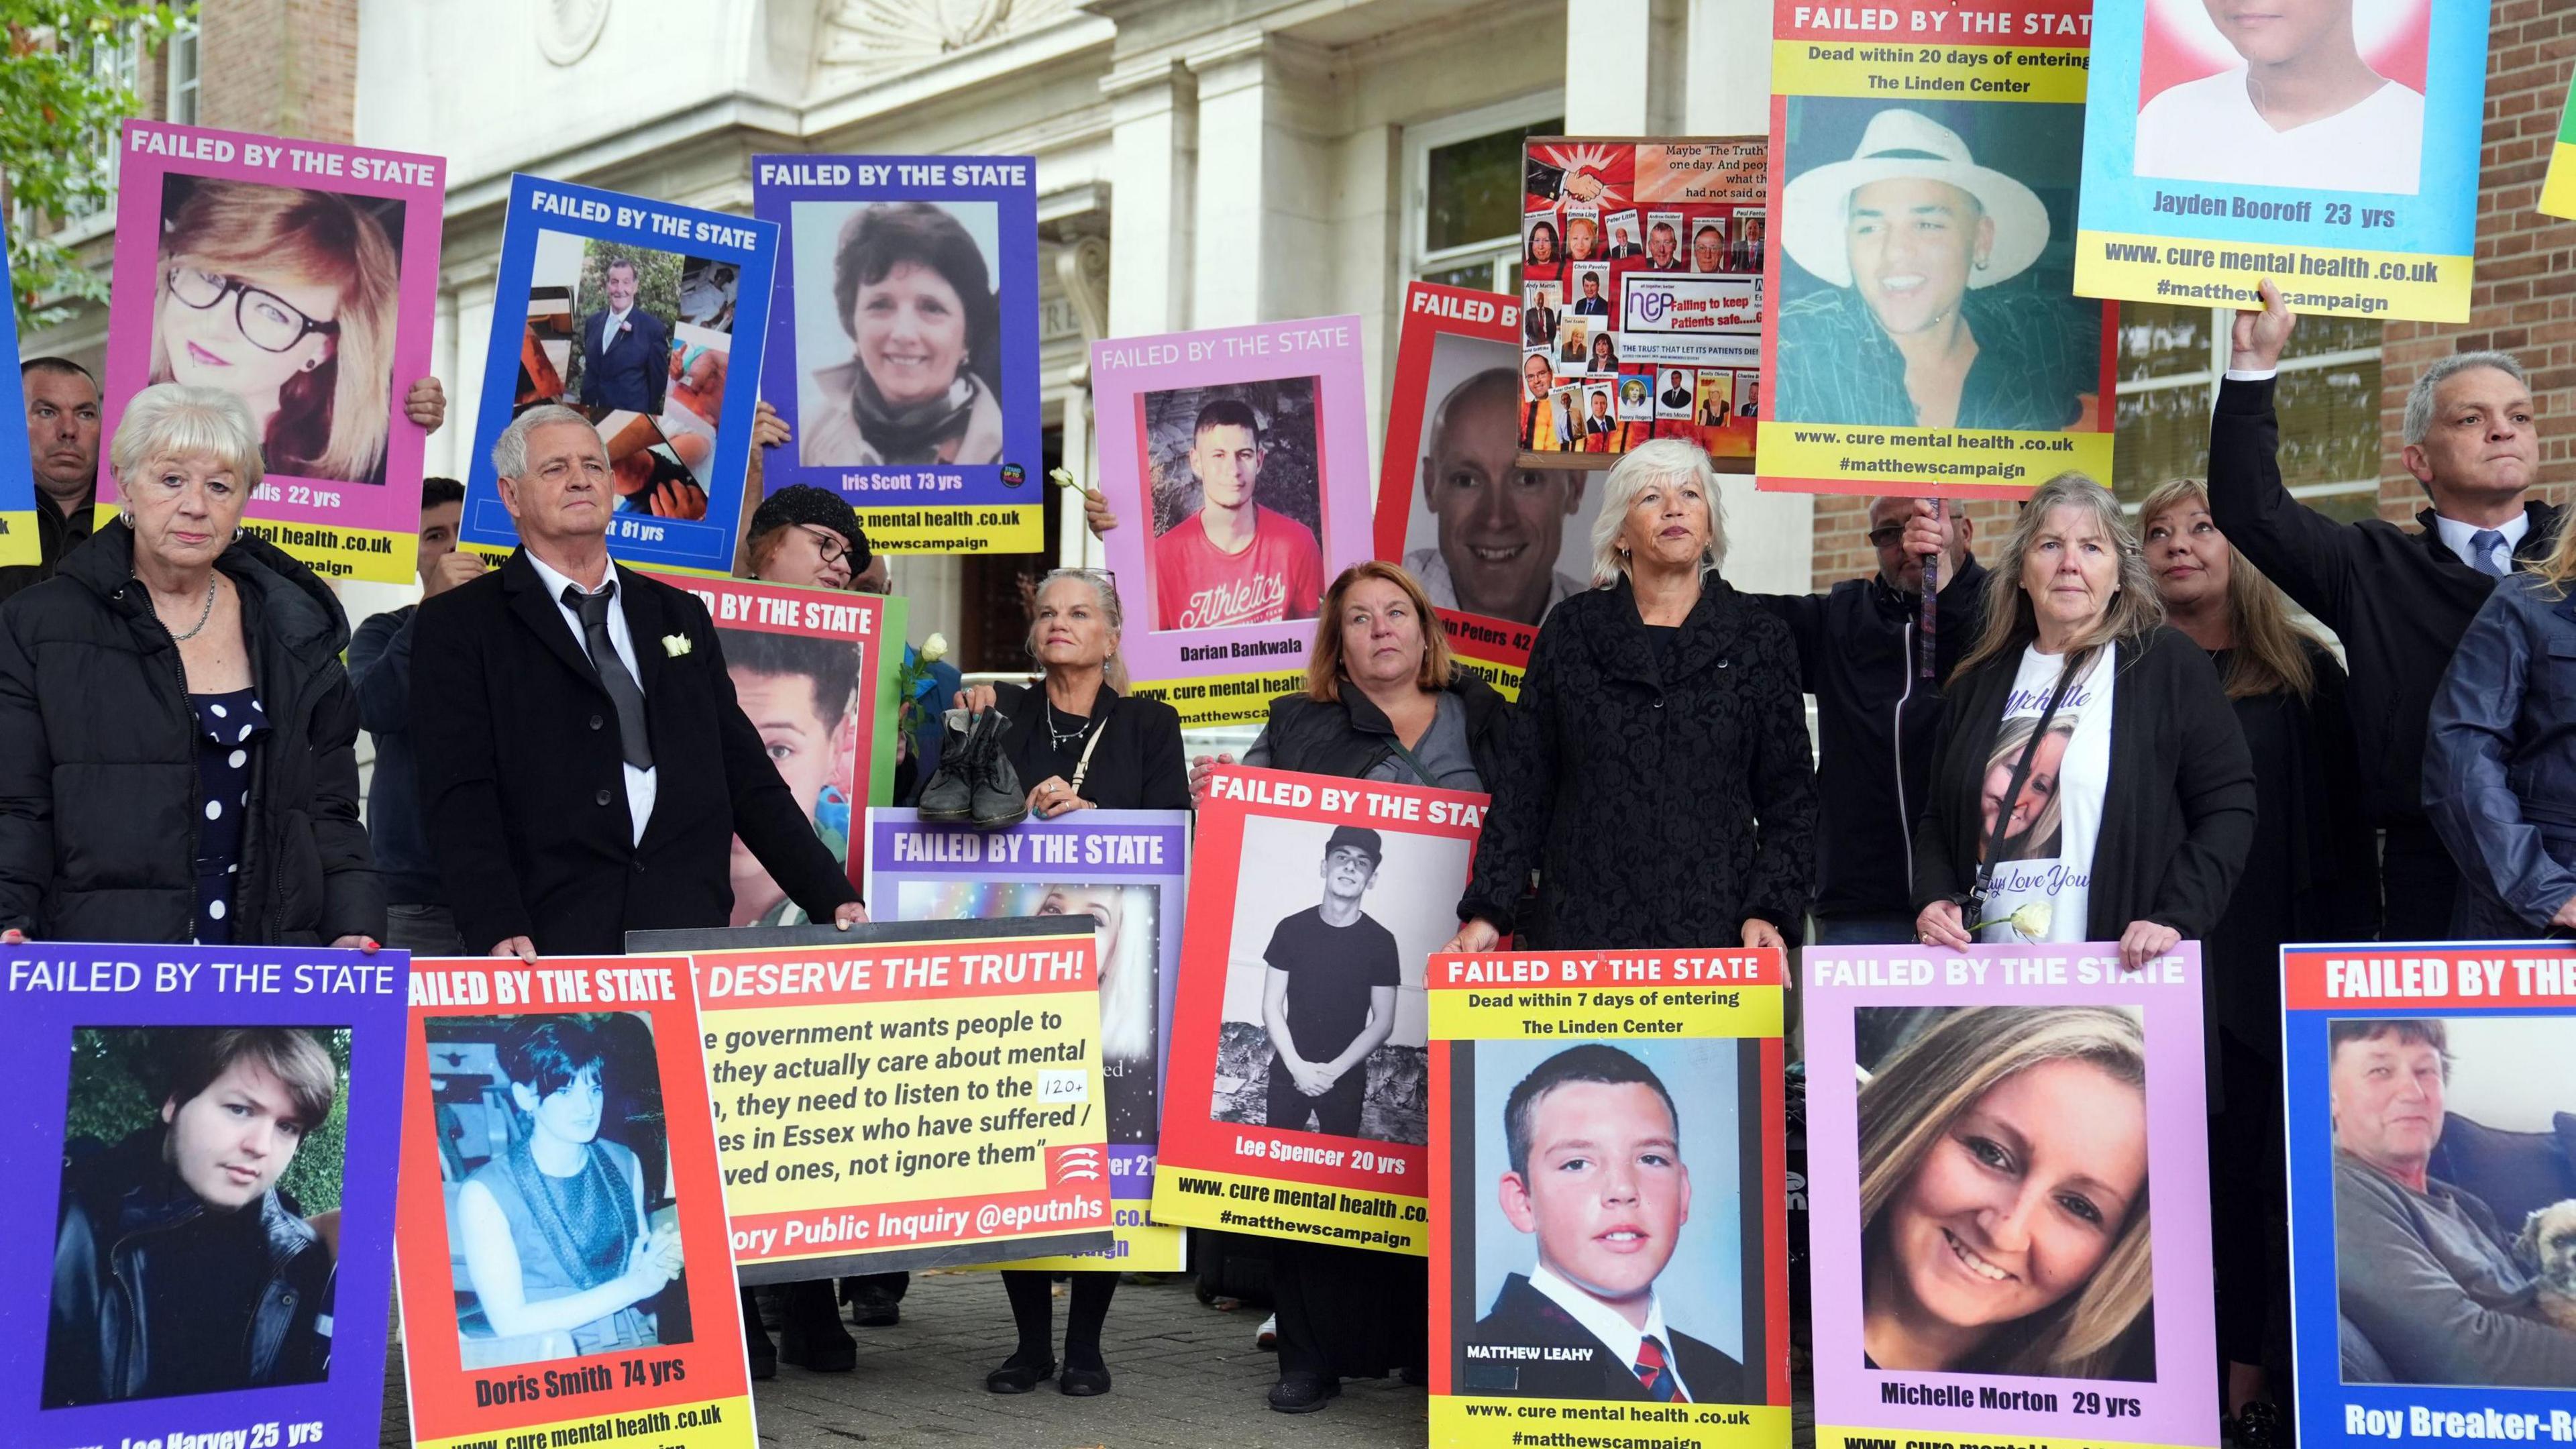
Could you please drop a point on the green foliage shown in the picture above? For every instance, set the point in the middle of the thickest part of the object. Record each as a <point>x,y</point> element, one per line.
<point>59,109</point>
<point>118,1081</point>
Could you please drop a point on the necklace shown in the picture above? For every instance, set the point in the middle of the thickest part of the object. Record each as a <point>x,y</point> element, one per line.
<point>203,614</point>
<point>1063,738</point>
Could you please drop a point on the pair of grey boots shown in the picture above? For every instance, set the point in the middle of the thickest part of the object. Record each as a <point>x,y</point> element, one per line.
<point>975,782</point>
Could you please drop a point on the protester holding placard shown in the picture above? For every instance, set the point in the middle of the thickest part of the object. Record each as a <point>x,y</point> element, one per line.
<point>166,828</point>
<point>2309,876</point>
<point>805,535</point>
<point>1660,711</point>
<point>62,452</point>
<point>2500,759</point>
<point>1875,715</point>
<point>2090,783</point>
<point>2398,601</point>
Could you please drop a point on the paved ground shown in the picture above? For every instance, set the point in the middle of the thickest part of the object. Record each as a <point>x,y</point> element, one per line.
<point>1184,1376</point>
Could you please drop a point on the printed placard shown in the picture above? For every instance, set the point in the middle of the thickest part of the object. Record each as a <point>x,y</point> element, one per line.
<point>2362,200</point>
<point>1982,1130</point>
<point>1495,544</point>
<point>267,1186</point>
<point>904,1095</point>
<point>1125,870</point>
<point>1646,1079</point>
<point>1642,279</point>
<point>19,541</point>
<point>1237,462</point>
<point>1301,1010</point>
<point>1924,166</point>
<point>911,386</point>
<point>2558,188</point>
<point>636,314</point>
<point>562,1225</point>
<point>2429,1222</point>
<point>814,673</point>
<point>301,276</point>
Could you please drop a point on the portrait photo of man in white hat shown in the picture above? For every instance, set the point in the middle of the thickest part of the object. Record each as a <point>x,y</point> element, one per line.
<point>1919,304</point>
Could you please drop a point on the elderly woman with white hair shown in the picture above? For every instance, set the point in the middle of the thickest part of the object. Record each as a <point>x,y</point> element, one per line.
<point>2090,782</point>
<point>1658,776</point>
<point>177,735</point>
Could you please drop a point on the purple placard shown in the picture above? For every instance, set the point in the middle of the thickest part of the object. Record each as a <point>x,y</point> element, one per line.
<point>2028,1158</point>
<point>1218,628</point>
<point>276,230</point>
<point>926,872</point>
<point>103,1001</point>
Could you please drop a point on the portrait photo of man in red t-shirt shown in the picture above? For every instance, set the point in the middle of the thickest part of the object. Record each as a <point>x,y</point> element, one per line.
<point>1233,561</point>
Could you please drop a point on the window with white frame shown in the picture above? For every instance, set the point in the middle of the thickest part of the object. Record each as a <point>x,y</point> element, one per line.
<point>182,107</point>
<point>2171,360</point>
<point>116,59</point>
<point>1463,190</point>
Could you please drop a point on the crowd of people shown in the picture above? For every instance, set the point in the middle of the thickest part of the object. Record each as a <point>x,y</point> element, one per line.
<point>2123,737</point>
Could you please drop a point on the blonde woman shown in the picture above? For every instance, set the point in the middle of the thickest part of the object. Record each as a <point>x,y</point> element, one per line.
<point>287,299</point>
<point>2153,790</point>
<point>2500,760</point>
<point>2003,1185</point>
<point>2309,876</point>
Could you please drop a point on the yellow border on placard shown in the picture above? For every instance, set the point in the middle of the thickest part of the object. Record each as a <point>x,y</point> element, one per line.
<point>1895,460</point>
<point>1173,1207</point>
<point>19,541</point>
<point>1218,699</point>
<point>1832,1437</point>
<point>730,1429</point>
<point>2033,74</point>
<point>1501,1421</point>
<point>2558,191</point>
<point>993,528</point>
<point>1456,1014</point>
<point>2197,271</point>
<point>385,558</point>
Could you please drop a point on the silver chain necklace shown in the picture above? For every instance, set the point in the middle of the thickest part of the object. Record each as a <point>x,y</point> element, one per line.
<point>203,615</point>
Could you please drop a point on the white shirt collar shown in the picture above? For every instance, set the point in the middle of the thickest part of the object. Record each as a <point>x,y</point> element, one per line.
<point>556,582</point>
<point>1602,1323</point>
<point>2456,536</point>
<point>617,319</point>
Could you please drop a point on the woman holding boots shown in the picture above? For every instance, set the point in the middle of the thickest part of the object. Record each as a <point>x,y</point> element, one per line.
<point>1087,747</point>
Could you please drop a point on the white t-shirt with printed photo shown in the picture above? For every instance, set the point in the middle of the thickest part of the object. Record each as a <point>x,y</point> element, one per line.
<point>2208,130</point>
<point>2043,876</point>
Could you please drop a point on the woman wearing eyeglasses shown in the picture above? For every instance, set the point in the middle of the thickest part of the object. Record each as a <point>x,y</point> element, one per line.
<point>286,299</point>
<point>805,535</point>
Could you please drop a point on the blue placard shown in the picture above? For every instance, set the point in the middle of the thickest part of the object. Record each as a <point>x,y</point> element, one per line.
<point>19,542</point>
<point>2191,194</point>
<point>2432,1322</point>
<point>672,386</point>
<point>907,356</point>
<point>107,1037</point>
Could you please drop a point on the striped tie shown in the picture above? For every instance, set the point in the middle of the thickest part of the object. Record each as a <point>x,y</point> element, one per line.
<point>1655,1372</point>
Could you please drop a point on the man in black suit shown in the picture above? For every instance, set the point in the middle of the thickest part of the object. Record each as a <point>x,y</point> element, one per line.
<point>1597,1176</point>
<point>625,351</point>
<point>1538,324</point>
<point>1591,303</point>
<point>583,766</point>
<point>2398,600</point>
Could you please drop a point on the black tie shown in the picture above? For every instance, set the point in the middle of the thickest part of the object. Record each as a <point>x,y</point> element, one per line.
<point>621,686</point>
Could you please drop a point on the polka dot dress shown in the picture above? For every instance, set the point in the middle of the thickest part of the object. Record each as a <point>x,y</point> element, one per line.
<point>228,730</point>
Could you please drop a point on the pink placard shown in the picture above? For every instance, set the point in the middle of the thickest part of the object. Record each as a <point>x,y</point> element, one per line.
<point>303,277</point>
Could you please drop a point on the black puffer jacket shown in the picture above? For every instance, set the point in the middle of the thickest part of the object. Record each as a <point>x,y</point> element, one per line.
<point>99,802</point>
<point>1351,736</point>
<point>1660,809</point>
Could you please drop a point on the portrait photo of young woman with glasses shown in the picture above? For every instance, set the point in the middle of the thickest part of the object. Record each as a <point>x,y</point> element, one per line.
<point>285,298</point>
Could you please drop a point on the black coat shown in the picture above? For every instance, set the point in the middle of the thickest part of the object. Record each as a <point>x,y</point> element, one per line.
<point>2500,762</point>
<point>1585,1369</point>
<point>1659,812</point>
<point>99,802</point>
<point>2399,601</point>
<point>522,777</point>
<point>1138,765</point>
<point>2177,812</point>
<point>1875,721</point>
<point>1351,736</point>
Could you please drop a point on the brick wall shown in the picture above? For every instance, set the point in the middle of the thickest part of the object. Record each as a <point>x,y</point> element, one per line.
<point>281,67</point>
<point>2524,298</point>
<point>1842,543</point>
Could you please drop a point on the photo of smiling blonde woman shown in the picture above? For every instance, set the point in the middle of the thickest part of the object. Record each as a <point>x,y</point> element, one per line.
<point>2003,1184</point>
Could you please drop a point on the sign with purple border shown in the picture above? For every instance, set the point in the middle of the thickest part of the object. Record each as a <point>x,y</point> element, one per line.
<point>1237,461</point>
<point>913,392</point>
<point>1982,1128</point>
<point>1125,868</point>
<point>301,276</point>
<point>107,1037</point>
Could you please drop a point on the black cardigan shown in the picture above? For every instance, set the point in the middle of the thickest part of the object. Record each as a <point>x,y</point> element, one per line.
<point>2177,813</point>
<point>1663,800</point>
<point>1138,765</point>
